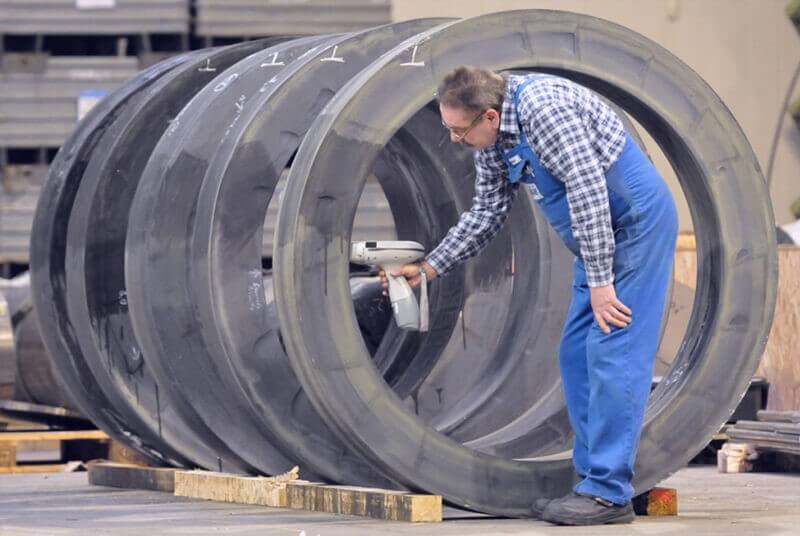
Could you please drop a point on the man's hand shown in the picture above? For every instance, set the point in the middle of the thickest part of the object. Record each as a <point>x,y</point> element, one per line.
<point>411,273</point>
<point>608,309</point>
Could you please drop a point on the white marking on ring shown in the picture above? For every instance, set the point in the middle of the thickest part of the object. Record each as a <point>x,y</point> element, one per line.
<point>413,62</point>
<point>273,62</point>
<point>225,83</point>
<point>333,56</point>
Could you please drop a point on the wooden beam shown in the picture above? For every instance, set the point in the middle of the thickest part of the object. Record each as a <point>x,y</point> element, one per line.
<point>265,491</point>
<point>657,502</point>
<point>121,453</point>
<point>39,468</point>
<point>118,475</point>
<point>8,454</point>
<point>383,504</point>
<point>53,435</point>
<point>282,491</point>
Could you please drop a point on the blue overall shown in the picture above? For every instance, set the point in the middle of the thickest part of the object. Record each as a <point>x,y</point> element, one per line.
<point>607,378</point>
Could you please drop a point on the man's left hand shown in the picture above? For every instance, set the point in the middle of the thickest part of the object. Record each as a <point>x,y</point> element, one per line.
<point>608,310</point>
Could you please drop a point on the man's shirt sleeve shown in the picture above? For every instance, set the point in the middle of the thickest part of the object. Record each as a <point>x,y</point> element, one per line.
<point>564,147</point>
<point>494,196</point>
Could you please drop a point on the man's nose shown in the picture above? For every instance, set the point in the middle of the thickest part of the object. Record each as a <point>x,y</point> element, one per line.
<point>454,138</point>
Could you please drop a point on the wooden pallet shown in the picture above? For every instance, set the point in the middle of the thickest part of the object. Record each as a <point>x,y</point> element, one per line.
<point>12,442</point>
<point>132,476</point>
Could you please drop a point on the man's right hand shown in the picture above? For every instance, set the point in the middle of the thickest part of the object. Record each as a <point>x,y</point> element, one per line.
<point>608,310</point>
<point>411,273</point>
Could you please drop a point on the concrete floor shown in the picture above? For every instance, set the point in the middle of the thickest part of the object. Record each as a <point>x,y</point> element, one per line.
<point>58,503</point>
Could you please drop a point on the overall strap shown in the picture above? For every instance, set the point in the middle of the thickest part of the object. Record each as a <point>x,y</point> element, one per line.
<point>517,93</point>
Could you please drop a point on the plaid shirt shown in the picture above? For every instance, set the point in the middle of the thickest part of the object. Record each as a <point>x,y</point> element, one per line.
<point>577,137</point>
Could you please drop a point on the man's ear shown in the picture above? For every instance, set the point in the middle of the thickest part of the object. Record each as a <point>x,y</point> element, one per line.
<point>493,116</point>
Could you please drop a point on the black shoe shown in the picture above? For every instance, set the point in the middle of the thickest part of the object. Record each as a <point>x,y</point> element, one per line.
<point>583,510</point>
<point>538,506</point>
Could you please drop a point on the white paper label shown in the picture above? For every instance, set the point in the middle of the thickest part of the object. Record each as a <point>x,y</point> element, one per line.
<point>87,100</point>
<point>95,4</point>
<point>534,190</point>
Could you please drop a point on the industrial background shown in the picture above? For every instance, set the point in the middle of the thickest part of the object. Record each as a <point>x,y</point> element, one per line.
<point>59,58</point>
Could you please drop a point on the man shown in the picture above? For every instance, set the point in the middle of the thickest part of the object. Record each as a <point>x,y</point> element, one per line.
<point>615,213</point>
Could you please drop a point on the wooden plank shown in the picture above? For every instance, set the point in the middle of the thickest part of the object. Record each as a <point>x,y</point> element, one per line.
<point>415,508</point>
<point>383,504</point>
<point>38,468</point>
<point>53,435</point>
<point>225,487</point>
<point>8,454</point>
<point>37,446</point>
<point>8,423</point>
<point>657,502</point>
<point>301,495</point>
<point>662,502</point>
<point>118,475</point>
<point>120,453</point>
<point>287,491</point>
<point>17,448</point>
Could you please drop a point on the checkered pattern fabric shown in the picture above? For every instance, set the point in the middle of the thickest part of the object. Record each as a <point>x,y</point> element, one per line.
<point>577,137</point>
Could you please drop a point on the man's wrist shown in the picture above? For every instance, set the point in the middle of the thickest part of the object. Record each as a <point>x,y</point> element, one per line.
<point>599,283</point>
<point>430,271</point>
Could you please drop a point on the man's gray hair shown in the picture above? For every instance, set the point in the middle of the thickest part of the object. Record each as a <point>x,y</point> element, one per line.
<point>472,89</point>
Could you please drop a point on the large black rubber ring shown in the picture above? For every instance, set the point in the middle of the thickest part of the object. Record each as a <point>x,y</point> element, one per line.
<point>48,245</point>
<point>97,297</point>
<point>722,183</point>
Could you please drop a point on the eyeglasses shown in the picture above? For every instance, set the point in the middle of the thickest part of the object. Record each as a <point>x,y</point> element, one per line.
<point>473,124</point>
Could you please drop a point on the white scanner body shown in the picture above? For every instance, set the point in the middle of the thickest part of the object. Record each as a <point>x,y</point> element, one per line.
<point>391,255</point>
